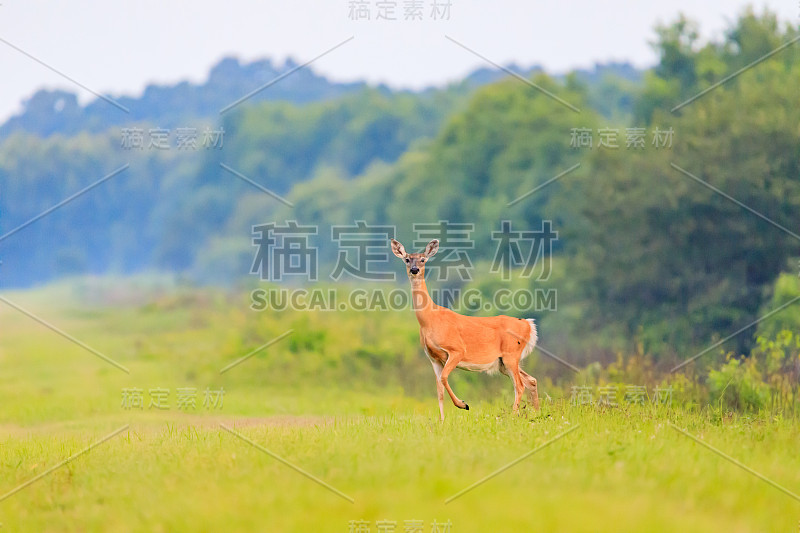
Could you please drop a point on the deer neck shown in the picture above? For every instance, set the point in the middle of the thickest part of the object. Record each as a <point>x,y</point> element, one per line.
<point>421,300</point>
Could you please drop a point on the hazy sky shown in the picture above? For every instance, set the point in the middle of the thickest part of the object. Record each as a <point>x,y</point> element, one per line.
<point>117,47</point>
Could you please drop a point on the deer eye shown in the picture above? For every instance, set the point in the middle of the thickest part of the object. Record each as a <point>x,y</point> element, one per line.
<point>408,260</point>
<point>421,260</point>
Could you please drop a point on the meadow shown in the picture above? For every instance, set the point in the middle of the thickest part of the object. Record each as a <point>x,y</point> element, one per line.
<point>335,428</point>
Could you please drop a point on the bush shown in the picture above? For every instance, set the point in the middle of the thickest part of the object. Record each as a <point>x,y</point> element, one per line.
<point>779,358</point>
<point>738,386</point>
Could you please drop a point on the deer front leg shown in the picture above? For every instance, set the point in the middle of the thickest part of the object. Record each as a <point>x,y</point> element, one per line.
<point>437,369</point>
<point>449,366</point>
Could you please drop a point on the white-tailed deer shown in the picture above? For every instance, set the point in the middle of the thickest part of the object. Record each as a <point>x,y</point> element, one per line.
<point>485,344</point>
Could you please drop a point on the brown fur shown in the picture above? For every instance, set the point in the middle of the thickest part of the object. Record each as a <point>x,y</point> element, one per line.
<point>451,340</point>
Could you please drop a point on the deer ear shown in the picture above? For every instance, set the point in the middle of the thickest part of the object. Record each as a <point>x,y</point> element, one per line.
<point>398,249</point>
<point>432,248</point>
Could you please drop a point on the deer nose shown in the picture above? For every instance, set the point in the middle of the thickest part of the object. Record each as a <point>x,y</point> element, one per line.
<point>414,270</point>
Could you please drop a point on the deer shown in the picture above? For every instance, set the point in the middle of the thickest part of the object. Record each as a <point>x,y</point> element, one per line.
<point>451,340</point>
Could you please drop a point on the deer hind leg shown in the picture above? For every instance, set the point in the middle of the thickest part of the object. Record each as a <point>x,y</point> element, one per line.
<point>437,369</point>
<point>449,366</point>
<point>533,390</point>
<point>514,372</point>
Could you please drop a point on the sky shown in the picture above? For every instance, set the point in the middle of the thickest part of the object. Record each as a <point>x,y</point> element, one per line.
<point>113,47</point>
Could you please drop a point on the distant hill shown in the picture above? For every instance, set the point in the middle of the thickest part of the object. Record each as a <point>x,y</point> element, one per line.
<point>49,112</point>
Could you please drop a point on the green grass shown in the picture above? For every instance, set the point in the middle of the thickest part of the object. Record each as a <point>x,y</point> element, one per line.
<point>370,435</point>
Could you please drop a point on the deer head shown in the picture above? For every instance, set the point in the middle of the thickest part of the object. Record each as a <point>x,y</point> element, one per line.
<point>415,263</point>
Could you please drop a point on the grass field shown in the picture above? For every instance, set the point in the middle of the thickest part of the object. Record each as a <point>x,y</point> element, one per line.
<point>369,450</point>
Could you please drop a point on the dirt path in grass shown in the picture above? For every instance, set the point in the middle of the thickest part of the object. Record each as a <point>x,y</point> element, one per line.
<point>98,425</point>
